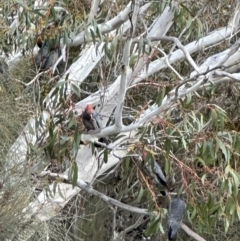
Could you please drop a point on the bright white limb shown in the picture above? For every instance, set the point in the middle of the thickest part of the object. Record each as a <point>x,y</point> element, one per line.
<point>169,65</point>
<point>180,46</point>
<point>125,65</point>
<point>107,27</point>
<point>235,76</point>
<point>94,9</point>
<point>228,59</point>
<point>123,86</point>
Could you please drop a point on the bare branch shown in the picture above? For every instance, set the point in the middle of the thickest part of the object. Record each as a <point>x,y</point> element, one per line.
<point>169,65</point>
<point>114,210</point>
<point>233,50</point>
<point>125,63</point>
<point>121,235</point>
<point>235,76</point>
<point>84,186</point>
<point>35,78</point>
<point>135,16</point>
<point>107,27</point>
<point>94,9</point>
<point>191,233</point>
<point>180,46</point>
<point>123,85</point>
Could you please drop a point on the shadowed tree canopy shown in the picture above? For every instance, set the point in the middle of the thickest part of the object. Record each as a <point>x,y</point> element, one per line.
<point>116,116</point>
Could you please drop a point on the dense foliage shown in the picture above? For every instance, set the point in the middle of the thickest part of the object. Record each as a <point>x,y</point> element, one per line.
<point>193,134</point>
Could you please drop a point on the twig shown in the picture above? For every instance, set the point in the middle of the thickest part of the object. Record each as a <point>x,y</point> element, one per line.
<point>193,20</point>
<point>37,76</point>
<point>84,186</point>
<point>234,76</point>
<point>191,233</point>
<point>168,64</point>
<point>188,169</point>
<point>34,79</point>
<point>99,166</point>
<point>180,46</point>
<point>128,229</point>
<point>154,84</point>
<point>114,210</point>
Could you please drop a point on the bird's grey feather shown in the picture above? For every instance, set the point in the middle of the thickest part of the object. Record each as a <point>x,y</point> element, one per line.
<point>157,173</point>
<point>47,57</point>
<point>175,215</point>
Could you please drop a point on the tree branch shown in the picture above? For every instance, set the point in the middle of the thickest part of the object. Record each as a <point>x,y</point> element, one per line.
<point>84,186</point>
<point>191,233</point>
<point>125,66</point>
<point>180,46</point>
<point>107,27</point>
<point>216,36</point>
<point>121,235</point>
<point>94,9</point>
<point>123,86</point>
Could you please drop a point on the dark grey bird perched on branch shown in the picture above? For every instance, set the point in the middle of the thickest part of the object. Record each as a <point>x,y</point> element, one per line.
<point>91,121</point>
<point>47,55</point>
<point>175,215</point>
<point>155,170</point>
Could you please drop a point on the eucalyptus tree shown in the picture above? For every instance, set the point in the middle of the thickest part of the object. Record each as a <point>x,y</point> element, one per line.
<point>163,77</point>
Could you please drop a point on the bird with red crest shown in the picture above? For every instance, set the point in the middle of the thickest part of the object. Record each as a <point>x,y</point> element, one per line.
<point>92,121</point>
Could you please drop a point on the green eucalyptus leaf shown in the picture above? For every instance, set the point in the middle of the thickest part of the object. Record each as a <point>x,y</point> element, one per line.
<point>153,227</point>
